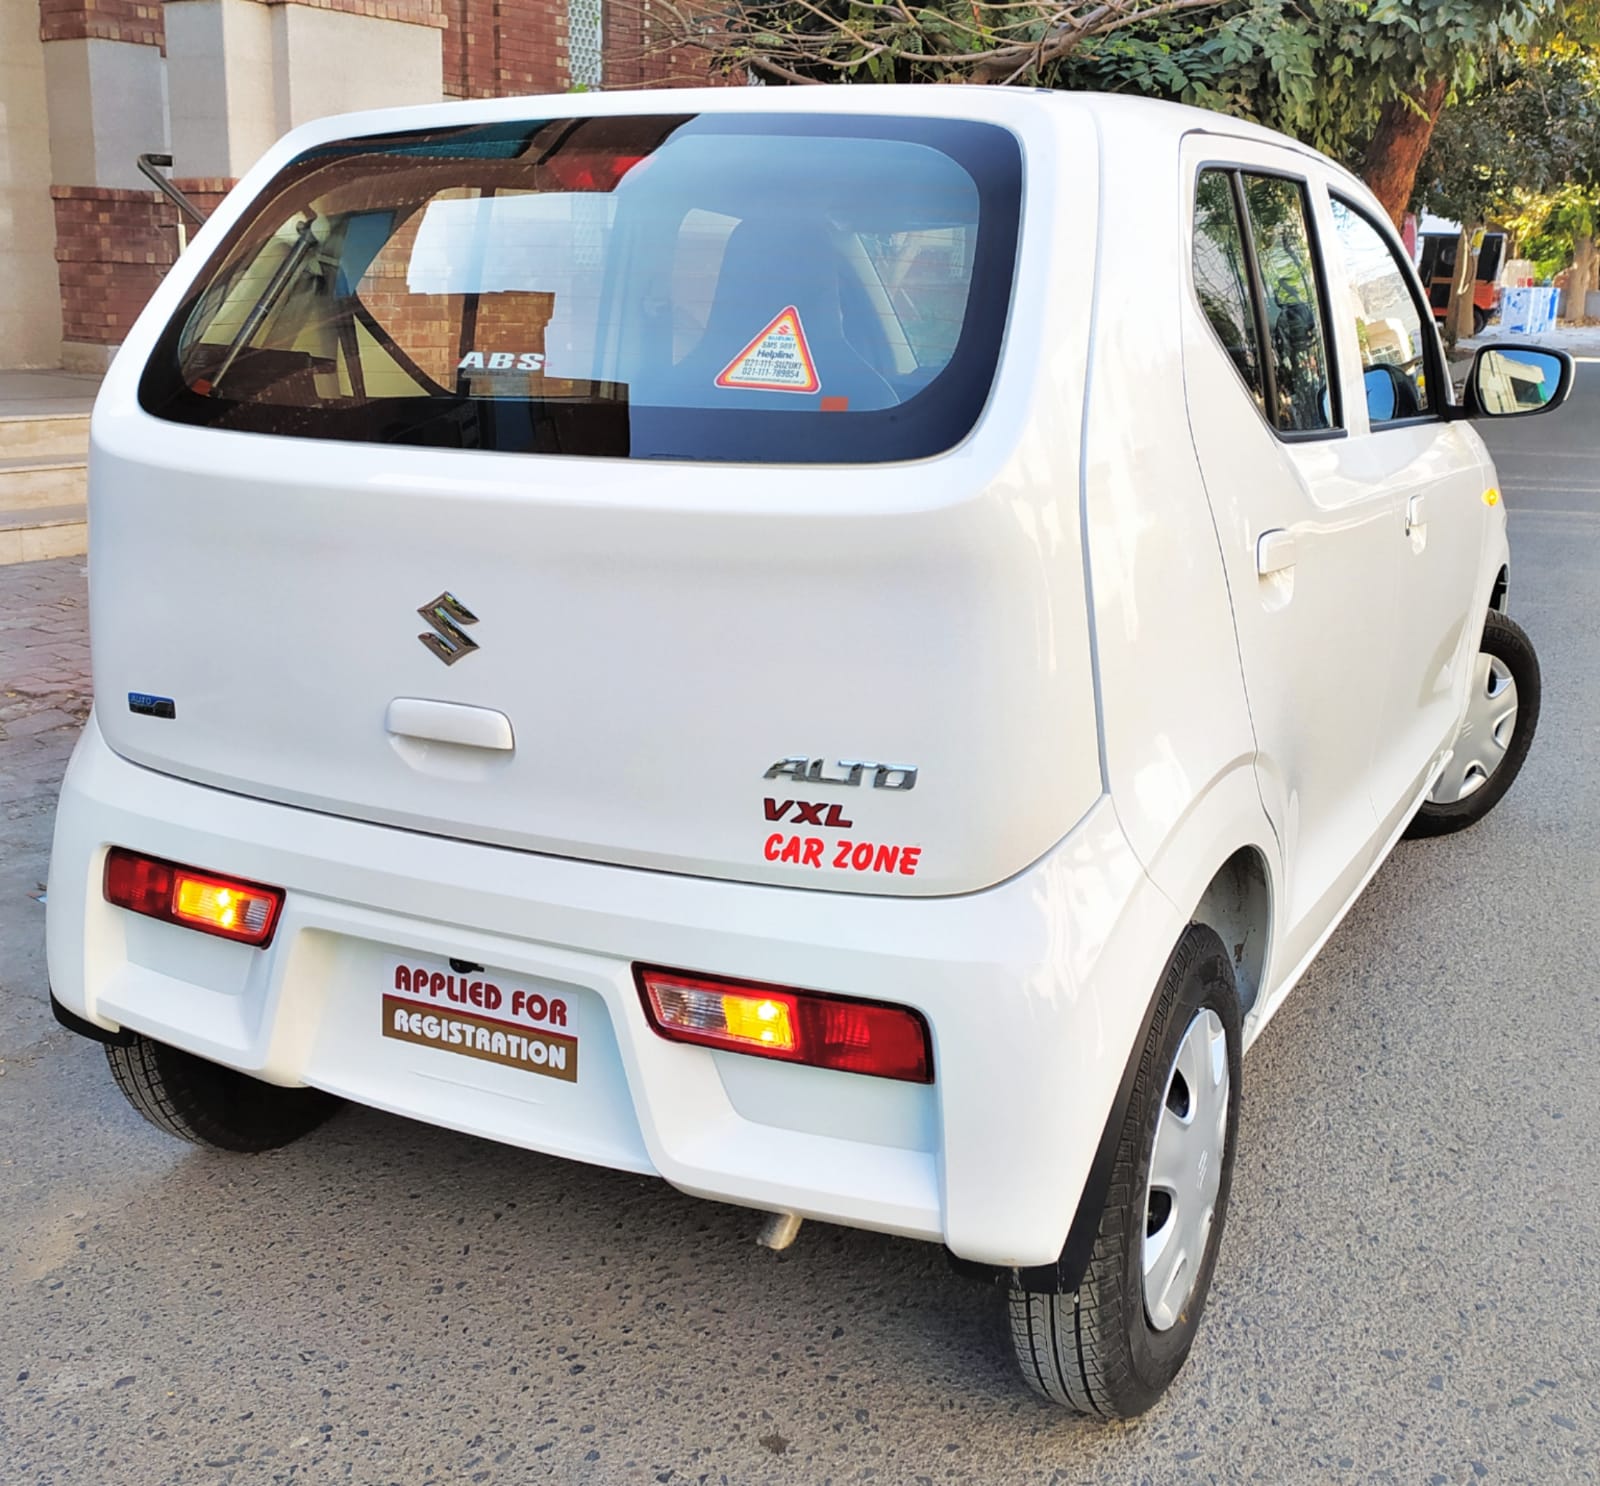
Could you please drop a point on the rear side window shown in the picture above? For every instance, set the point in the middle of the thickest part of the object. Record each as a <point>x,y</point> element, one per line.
<point>1388,319</point>
<point>1256,279</point>
<point>709,287</point>
<point>1222,277</point>
<point>1295,324</point>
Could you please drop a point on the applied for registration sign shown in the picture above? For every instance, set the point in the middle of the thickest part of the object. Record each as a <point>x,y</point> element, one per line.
<point>474,1016</point>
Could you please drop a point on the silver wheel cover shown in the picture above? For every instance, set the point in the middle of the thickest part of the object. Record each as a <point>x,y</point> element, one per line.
<point>1486,732</point>
<point>1185,1169</point>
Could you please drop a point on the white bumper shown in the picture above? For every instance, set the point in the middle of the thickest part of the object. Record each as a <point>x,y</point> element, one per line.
<point>1034,991</point>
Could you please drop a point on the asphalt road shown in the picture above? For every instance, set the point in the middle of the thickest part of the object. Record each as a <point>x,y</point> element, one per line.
<point>1408,1292</point>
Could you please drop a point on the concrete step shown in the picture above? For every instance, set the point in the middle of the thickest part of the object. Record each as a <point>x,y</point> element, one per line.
<point>44,531</point>
<point>39,480</point>
<point>44,436</point>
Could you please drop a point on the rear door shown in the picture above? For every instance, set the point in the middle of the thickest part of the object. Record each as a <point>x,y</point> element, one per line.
<point>1309,545</point>
<point>1402,446</point>
<point>602,486</point>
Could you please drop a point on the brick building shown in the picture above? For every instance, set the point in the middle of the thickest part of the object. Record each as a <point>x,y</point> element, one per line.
<point>86,86</point>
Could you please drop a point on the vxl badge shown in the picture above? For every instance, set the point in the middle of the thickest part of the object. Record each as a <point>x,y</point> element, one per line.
<point>446,614</point>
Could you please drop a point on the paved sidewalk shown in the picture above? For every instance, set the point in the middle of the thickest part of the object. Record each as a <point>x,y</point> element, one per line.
<point>1583,341</point>
<point>46,394</point>
<point>44,666</point>
<point>44,698</point>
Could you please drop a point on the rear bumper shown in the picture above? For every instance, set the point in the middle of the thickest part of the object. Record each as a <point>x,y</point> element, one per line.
<point>1033,990</point>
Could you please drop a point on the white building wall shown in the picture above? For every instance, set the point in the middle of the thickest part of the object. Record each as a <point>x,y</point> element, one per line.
<point>107,106</point>
<point>30,304</point>
<point>241,74</point>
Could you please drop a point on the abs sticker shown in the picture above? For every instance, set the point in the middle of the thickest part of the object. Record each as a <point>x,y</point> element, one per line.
<point>502,361</point>
<point>777,360</point>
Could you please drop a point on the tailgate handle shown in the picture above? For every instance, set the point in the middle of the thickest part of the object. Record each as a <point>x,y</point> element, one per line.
<point>1275,552</point>
<point>450,722</point>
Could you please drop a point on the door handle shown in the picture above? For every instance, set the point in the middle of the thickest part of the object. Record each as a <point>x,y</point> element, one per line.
<point>450,722</point>
<point>1275,552</point>
<point>1416,513</point>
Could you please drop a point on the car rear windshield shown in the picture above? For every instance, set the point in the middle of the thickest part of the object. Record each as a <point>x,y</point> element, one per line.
<point>760,288</point>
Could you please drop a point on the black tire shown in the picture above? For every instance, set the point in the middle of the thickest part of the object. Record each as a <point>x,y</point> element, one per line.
<point>1504,640</point>
<point>210,1105</point>
<point>1480,319</point>
<point>1097,1352</point>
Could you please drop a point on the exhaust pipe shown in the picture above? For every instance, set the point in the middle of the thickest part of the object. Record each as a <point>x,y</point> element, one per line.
<point>779,1231</point>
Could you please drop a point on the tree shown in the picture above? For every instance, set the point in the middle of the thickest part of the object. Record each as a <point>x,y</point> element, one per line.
<point>1534,133</point>
<point>1363,80</point>
<point>826,41</point>
<point>1527,150</point>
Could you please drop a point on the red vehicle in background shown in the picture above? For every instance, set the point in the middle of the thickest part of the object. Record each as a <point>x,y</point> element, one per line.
<point>1436,263</point>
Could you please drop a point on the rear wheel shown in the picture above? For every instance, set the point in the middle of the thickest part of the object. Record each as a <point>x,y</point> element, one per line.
<point>1112,1348</point>
<point>1496,733</point>
<point>1480,319</point>
<point>210,1105</point>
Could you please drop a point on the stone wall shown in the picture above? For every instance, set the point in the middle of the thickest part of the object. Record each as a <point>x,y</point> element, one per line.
<point>135,21</point>
<point>112,248</point>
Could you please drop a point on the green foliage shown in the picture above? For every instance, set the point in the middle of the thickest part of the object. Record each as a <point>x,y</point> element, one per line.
<point>1534,135</point>
<point>1547,227</point>
<point>1317,69</point>
<point>1320,70</point>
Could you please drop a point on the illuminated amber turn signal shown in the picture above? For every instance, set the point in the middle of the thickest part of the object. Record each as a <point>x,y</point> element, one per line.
<point>794,1026</point>
<point>225,906</point>
<point>204,902</point>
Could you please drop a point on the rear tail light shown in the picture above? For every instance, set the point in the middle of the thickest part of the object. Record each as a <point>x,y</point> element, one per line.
<point>226,906</point>
<point>794,1026</point>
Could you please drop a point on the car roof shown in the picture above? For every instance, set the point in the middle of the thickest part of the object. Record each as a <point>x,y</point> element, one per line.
<point>916,99</point>
<point>1111,114</point>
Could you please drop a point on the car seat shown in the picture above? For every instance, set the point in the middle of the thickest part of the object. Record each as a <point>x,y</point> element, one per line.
<point>767,266</point>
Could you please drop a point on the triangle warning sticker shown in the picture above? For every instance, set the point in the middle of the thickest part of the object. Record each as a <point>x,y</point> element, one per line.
<point>777,360</point>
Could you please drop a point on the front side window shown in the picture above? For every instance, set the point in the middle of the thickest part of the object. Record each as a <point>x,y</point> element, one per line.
<point>762,288</point>
<point>1222,277</point>
<point>1302,392</point>
<point>1388,321</point>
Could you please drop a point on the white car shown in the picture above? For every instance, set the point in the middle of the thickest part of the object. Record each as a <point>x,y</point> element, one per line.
<point>933,603</point>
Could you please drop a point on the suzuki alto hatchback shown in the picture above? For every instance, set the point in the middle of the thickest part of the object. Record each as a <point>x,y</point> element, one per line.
<point>801,641</point>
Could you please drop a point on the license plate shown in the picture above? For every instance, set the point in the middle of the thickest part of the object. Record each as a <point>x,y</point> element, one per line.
<point>483,1014</point>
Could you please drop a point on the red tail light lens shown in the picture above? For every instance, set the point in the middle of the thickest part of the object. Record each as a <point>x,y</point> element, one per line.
<point>793,1026</point>
<point>226,906</point>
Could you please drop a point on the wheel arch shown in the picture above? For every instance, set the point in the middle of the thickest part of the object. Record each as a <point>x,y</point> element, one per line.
<point>1222,866</point>
<point>1237,904</point>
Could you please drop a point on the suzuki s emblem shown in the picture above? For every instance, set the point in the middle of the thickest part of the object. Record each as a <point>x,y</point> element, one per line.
<point>445,615</point>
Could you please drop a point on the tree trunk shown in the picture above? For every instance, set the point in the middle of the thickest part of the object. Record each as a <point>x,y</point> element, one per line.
<point>1581,280</point>
<point>1462,293</point>
<point>1397,148</point>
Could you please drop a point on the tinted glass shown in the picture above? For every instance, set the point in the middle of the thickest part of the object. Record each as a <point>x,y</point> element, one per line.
<point>719,287</point>
<point>1295,320</point>
<point>1222,277</point>
<point>1388,324</point>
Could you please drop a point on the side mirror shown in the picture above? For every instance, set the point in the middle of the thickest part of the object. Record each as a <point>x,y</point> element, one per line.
<point>1512,381</point>
<point>1391,394</point>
